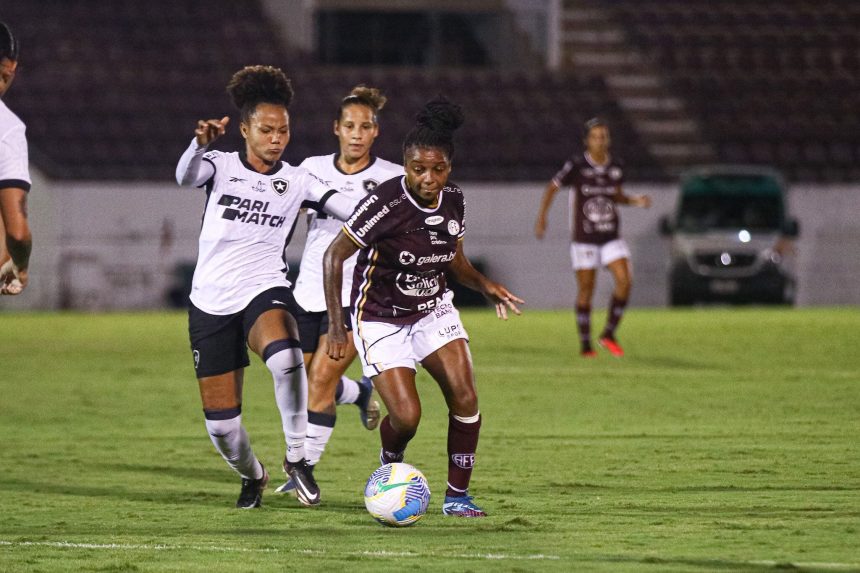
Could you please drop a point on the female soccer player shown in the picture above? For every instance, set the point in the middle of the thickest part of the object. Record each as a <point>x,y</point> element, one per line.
<point>355,173</point>
<point>595,180</point>
<point>410,235</point>
<point>240,293</point>
<point>15,237</point>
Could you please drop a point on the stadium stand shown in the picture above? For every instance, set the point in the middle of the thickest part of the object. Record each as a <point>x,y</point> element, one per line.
<point>772,82</point>
<point>115,93</point>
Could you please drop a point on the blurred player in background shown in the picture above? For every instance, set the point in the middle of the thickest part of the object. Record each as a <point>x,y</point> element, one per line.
<point>240,294</point>
<point>14,179</point>
<point>410,235</point>
<point>595,179</point>
<point>354,172</point>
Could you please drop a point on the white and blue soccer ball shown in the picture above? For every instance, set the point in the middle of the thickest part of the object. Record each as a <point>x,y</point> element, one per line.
<point>397,495</point>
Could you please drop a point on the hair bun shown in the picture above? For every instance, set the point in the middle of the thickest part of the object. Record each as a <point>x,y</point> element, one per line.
<point>441,115</point>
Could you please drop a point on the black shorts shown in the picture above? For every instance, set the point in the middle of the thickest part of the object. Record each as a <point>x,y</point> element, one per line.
<point>219,343</point>
<point>312,325</point>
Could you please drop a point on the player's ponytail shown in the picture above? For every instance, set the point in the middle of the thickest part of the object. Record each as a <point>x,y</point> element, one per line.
<point>435,125</point>
<point>253,85</point>
<point>366,96</point>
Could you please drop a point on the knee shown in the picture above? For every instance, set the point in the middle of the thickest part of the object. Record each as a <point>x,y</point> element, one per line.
<point>406,418</point>
<point>221,423</point>
<point>465,403</point>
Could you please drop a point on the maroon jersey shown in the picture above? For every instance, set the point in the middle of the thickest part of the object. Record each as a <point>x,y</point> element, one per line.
<point>594,218</point>
<point>400,274</point>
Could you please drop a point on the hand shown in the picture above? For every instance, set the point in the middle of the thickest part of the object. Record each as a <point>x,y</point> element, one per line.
<point>643,201</point>
<point>503,299</point>
<point>336,340</point>
<point>211,129</point>
<point>540,227</point>
<point>12,279</point>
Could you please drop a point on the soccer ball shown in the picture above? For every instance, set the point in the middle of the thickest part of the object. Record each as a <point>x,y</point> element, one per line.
<point>397,495</point>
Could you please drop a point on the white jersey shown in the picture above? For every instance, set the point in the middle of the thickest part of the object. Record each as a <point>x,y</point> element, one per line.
<point>14,166</point>
<point>322,229</point>
<point>248,221</point>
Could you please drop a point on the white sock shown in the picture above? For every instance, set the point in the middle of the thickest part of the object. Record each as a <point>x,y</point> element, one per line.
<point>320,428</point>
<point>348,391</point>
<point>232,442</point>
<point>284,360</point>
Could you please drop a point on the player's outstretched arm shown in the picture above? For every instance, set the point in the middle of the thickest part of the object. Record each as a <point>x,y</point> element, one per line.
<point>340,249</point>
<point>466,274</point>
<point>642,200</point>
<point>191,171</point>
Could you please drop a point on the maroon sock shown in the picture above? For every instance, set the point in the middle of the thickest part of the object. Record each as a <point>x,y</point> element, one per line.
<point>462,443</point>
<point>583,323</point>
<point>393,442</point>
<point>616,311</point>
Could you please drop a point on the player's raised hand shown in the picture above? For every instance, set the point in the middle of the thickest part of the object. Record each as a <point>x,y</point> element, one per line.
<point>209,130</point>
<point>643,201</point>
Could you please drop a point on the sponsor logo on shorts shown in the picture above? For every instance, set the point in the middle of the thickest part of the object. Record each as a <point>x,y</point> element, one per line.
<point>434,220</point>
<point>465,461</point>
<point>450,331</point>
<point>453,227</point>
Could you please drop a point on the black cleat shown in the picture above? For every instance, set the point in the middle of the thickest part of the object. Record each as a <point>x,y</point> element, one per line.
<point>252,491</point>
<point>302,475</point>
<point>368,408</point>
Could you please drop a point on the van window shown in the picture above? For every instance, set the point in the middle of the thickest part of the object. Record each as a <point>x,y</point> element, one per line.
<point>730,202</point>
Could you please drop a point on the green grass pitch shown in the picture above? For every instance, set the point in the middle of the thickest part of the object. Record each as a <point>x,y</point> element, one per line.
<point>726,440</point>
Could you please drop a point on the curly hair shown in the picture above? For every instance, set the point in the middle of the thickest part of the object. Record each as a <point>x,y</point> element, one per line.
<point>8,43</point>
<point>253,85</point>
<point>366,96</point>
<point>435,125</point>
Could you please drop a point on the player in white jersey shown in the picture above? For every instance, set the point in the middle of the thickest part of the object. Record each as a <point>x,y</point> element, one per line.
<point>14,179</point>
<point>354,172</point>
<point>240,295</point>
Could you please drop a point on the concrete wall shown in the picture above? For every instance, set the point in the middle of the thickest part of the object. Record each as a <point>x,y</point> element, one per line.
<point>115,245</point>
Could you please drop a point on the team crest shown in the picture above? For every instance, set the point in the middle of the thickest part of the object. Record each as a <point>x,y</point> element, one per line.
<point>370,185</point>
<point>453,227</point>
<point>615,173</point>
<point>280,186</point>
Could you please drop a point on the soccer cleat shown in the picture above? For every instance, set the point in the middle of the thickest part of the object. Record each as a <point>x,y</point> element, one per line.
<point>611,345</point>
<point>252,491</point>
<point>302,475</point>
<point>368,408</point>
<point>286,487</point>
<point>461,506</point>
<point>389,457</point>
<point>588,353</point>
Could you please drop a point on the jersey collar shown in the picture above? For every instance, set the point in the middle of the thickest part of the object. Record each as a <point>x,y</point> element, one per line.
<point>336,156</point>
<point>598,166</point>
<point>244,159</point>
<point>412,199</point>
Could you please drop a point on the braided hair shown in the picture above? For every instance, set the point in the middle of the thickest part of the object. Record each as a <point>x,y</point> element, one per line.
<point>435,125</point>
<point>253,85</point>
<point>366,96</point>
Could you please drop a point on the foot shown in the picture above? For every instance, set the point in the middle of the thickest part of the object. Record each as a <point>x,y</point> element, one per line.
<point>389,457</point>
<point>302,475</point>
<point>461,506</point>
<point>252,491</point>
<point>588,353</point>
<point>368,408</point>
<point>610,344</point>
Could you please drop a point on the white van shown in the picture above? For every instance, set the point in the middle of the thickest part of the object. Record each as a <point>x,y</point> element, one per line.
<point>732,237</point>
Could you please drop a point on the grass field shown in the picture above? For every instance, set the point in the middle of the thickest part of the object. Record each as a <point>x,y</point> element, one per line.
<point>727,440</point>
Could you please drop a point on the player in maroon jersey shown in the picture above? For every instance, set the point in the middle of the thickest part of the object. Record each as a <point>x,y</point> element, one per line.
<point>595,180</point>
<point>410,235</point>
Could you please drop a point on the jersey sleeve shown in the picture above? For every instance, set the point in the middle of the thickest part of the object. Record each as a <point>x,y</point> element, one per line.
<point>564,175</point>
<point>197,166</point>
<point>373,219</point>
<point>14,167</point>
